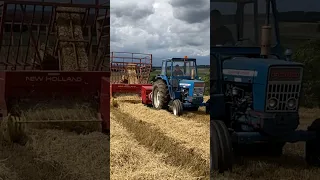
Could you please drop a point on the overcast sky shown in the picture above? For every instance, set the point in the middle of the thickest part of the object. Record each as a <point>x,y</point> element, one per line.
<point>164,28</point>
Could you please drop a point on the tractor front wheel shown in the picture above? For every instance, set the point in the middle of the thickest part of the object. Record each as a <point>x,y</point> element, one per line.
<point>160,95</point>
<point>177,107</point>
<point>312,147</point>
<point>221,158</point>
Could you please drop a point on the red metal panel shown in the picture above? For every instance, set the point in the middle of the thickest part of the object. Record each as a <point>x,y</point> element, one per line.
<point>127,88</point>
<point>45,83</point>
<point>145,91</point>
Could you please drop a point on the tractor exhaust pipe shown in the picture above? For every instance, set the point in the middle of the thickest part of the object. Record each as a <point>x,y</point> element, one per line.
<point>193,74</point>
<point>265,40</point>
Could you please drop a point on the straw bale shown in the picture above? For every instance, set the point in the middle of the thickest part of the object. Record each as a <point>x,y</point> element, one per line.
<point>130,76</point>
<point>64,29</point>
<point>130,160</point>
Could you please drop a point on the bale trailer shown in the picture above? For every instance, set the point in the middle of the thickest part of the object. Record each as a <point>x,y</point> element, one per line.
<point>54,59</point>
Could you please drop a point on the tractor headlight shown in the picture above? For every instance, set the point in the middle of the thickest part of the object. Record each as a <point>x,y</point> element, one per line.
<point>272,103</point>
<point>291,103</point>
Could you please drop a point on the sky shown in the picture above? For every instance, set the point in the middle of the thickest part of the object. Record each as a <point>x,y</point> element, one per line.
<point>163,28</point>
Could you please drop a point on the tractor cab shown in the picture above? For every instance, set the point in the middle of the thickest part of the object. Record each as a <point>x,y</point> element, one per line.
<point>238,23</point>
<point>239,28</point>
<point>180,68</point>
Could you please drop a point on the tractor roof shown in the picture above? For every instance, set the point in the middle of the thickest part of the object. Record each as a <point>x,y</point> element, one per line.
<point>179,59</point>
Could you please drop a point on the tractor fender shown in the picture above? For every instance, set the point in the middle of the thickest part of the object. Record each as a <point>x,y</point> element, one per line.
<point>163,78</point>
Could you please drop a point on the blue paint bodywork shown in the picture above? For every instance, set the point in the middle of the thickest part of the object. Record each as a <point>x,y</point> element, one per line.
<point>285,132</point>
<point>259,82</point>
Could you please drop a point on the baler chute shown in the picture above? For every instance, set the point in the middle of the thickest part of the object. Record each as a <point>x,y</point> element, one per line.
<point>54,64</point>
<point>129,72</point>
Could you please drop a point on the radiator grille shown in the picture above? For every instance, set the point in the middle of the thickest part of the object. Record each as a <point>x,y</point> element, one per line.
<point>282,92</point>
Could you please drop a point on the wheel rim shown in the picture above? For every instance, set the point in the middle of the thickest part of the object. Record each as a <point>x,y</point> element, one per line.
<point>156,99</point>
<point>175,111</point>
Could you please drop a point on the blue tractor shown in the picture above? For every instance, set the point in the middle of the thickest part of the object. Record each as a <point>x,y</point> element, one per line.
<point>178,88</point>
<point>255,87</point>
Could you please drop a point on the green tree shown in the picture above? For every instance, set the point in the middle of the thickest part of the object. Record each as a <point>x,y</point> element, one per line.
<point>206,80</point>
<point>309,54</point>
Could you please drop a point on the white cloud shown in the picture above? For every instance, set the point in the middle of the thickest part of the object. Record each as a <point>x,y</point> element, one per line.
<point>164,28</point>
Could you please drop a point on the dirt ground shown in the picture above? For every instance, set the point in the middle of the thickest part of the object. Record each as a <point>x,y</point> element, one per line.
<point>56,155</point>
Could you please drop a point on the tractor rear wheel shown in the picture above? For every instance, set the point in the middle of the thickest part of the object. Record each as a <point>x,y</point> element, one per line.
<point>221,152</point>
<point>177,107</point>
<point>312,147</point>
<point>160,95</point>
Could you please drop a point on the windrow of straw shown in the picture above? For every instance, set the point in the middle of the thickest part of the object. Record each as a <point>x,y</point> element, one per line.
<point>69,27</point>
<point>131,160</point>
<point>194,135</point>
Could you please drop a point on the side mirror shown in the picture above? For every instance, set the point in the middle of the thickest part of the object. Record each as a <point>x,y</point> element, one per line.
<point>288,53</point>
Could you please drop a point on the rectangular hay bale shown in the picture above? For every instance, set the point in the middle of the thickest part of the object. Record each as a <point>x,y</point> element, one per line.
<point>69,27</point>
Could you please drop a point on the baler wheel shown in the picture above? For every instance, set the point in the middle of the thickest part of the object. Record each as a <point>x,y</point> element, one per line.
<point>160,95</point>
<point>13,131</point>
<point>221,147</point>
<point>312,147</point>
<point>177,107</point>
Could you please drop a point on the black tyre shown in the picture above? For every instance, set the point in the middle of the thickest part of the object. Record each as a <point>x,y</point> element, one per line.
<point>160,95</point>
<point>208,107</point>
<point>177,107</point>
<point>221,147</point>
<point>312,147</point>
<point>13,131</point>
